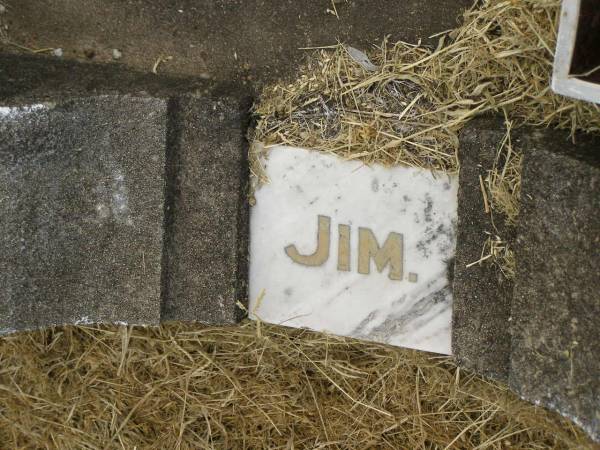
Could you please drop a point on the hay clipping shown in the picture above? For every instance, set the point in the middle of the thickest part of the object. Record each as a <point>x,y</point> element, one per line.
<point>407,105</point>
<point>250,387</point>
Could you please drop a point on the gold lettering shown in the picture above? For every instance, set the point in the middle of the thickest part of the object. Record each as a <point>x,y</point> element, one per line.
<point>391,252</point>
<point>344,248</point>
<point>321,254</point>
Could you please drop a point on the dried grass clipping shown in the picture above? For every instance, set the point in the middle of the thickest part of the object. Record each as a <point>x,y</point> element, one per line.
<point>188,387</point>
<point>502,187</point>
<point>409,104</point>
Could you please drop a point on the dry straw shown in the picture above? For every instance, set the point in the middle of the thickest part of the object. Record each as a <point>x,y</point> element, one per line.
<point>190,387</point>
<point>411,107</point>
<point>254,387</point>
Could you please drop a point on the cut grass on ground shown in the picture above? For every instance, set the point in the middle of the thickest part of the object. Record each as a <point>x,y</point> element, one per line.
<point>255,387</point>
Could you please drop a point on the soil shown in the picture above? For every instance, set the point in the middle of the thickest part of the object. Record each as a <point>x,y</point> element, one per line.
<point>243,41</point>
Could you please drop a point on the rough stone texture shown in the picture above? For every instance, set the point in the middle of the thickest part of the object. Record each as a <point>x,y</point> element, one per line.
<point>81,212</point>
<point>206,244</point>
<point>26,78</point>
<point>482,295</point>
<point>241,40</point>
<point>555,359</point>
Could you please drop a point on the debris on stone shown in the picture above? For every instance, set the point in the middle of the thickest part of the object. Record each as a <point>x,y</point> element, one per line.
<point>159,61</point>
<point>536,330</point>
<point>361,58</point>
<point>116,53</point>
<point>482,293</point>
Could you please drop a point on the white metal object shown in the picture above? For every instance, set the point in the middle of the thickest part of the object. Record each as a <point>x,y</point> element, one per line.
<point>563,82</point>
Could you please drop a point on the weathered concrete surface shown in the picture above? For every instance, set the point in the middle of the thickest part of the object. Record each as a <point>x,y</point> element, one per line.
<point>240,40</point>
<point>555,359</point>
<point>482,294</point>
<point>206,231</point>
<point>26,78</point>
<point>197,206</point>
<point>81,212</point>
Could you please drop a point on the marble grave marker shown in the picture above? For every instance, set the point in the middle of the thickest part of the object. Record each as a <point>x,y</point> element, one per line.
<point>354,250</point>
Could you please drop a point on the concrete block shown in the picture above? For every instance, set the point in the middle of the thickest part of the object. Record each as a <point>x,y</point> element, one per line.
<point>482,294</point>
<point>81,211</point>
<point>206,234</point>
<point>555,359</point>
<point>27,78</point>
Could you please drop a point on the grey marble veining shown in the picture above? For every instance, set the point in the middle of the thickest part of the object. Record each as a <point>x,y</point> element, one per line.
<point>353,250</point>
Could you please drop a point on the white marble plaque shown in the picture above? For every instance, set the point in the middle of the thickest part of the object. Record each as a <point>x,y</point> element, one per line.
<point>354,250</point>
